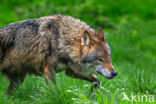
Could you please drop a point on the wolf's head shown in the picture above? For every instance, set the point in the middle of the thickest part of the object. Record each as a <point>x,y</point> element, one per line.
<point>87,49</point>
<point>96,55</point>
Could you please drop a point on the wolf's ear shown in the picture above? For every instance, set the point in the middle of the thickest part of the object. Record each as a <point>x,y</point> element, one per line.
<point>101,34</point>
<point>85,39</point>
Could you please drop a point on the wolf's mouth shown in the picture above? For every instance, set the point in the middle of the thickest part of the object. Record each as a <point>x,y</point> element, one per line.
<point>103,75</point>
<point>99,72</point>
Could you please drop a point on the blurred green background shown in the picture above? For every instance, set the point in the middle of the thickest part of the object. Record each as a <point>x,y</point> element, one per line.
<point>104,13</point>
<point>130,28</point>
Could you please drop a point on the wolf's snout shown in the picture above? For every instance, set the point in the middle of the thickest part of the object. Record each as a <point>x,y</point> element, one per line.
<point>114,73</point>
<point>107,70</point>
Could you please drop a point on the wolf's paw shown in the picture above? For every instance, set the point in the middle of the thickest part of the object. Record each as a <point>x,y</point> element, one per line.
<point>94,87</point>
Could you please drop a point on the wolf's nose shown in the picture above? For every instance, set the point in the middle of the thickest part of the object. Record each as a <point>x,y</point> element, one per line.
<point>114,73</point>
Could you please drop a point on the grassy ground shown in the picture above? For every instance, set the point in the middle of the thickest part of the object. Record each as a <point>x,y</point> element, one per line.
<point>134,57</point>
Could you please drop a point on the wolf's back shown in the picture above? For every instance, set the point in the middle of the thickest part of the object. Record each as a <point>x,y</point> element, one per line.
<point>9,32</point>
<point>6,36</point>
<point>13,35</point>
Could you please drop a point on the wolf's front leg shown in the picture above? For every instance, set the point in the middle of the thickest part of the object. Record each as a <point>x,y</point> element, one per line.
<point>93,78</point>
<point>97,82</point>
<point>49,74</point>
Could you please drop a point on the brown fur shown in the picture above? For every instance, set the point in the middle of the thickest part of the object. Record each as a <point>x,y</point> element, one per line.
<point>40,45</point>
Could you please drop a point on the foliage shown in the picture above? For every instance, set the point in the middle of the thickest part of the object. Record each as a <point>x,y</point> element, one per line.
<point>104,13</point>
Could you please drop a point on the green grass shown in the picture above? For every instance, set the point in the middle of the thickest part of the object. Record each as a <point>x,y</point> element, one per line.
<point>105,13</point>
<point>134,57</point>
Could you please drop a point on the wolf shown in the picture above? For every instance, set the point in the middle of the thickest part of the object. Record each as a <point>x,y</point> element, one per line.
<point>39,46</point>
